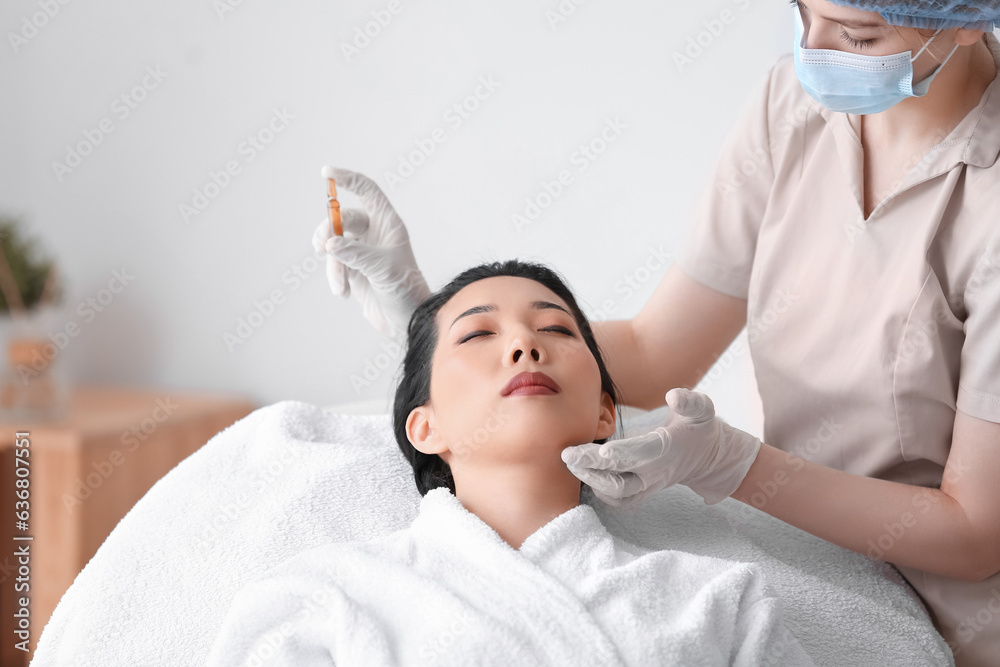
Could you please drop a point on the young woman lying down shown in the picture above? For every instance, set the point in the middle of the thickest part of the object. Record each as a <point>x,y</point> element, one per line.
<point>503,564</point>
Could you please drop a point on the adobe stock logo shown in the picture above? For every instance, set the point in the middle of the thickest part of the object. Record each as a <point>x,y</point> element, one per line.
<point>455,116</point>
<point>122,107</point>
<point>381,18</point>
<point>264,309</point>
<point>705,38</point>
<point>248,149</point>
<point>87,309</point>
<point>582,158</point>
<point>31,26</point>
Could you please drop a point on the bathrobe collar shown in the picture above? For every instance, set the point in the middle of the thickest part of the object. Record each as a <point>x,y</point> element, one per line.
<point>443,515</point>
<point>550,568</point>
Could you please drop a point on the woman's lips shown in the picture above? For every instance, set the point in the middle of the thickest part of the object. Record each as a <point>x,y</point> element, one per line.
<point>530,384</point>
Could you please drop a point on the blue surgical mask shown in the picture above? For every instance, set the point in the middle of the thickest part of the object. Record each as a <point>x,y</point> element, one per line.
<point>856,84</point>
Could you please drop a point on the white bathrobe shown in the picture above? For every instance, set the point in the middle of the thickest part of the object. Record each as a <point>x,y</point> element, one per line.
<point>449,591</point>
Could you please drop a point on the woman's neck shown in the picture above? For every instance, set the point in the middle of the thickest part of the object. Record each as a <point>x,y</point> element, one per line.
<point>517,499</point>
<point>953,93</point>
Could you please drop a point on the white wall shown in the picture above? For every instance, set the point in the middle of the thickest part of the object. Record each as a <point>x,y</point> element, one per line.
<point>224,72</point>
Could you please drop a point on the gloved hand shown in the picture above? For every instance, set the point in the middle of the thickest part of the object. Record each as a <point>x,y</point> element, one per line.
<point>373,260</point>
<point>696,448</point>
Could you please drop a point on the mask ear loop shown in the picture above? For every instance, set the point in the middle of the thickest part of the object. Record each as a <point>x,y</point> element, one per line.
<point>954,48</point>
<point>924,47</point>
<point>801,25</point>
<point>926,81</point>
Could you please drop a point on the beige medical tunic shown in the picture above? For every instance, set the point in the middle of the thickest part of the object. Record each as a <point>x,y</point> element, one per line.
<point>866,334</point>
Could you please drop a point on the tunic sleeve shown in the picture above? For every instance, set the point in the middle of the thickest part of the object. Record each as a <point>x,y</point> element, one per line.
<point>720,245</point>
<point>979,374</point>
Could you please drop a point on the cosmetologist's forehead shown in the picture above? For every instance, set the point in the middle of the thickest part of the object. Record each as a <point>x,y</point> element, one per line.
<point>845,16</point>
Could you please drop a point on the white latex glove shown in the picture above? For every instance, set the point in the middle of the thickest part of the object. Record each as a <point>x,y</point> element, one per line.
<point>696,448</point>
<point>373,259</point>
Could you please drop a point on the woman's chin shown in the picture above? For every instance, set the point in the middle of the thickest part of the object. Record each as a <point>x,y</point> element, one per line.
<point>524,434</point>
<point>534,436</point>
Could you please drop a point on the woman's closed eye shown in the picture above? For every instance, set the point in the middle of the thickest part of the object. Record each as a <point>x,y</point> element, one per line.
<point>474,334</point>
<point>856,43</point>
<point>555,328</point>
<point>844,37</point>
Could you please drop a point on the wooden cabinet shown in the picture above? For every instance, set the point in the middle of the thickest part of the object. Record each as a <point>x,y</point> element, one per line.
<point>86,473</point>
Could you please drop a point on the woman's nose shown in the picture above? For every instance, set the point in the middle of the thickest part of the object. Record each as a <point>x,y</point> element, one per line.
<point>523,347</point>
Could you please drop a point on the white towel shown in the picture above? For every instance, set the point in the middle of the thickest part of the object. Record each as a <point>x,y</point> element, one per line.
<point>449,590</point>
<point>290,477</point>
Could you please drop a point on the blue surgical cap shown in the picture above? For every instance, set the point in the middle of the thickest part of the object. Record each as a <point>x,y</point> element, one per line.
<point>936,14</point>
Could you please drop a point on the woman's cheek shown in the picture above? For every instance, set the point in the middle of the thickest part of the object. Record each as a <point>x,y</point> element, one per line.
<point>583,366</point>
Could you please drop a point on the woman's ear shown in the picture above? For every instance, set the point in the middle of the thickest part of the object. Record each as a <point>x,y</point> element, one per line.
<point>421,433</point>
<point>965,37</point>
<point>608,418</point>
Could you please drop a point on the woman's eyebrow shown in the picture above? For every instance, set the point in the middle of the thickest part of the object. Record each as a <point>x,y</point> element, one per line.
<point>491,307</point>
<point>858,24</point>
<point>545,305</point>
<point>475,310</point>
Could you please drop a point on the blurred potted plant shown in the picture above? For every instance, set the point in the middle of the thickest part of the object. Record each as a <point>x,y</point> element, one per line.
<point>29,291</point>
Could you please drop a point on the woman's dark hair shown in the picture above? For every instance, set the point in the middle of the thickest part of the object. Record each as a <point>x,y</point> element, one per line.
<point>413,390</point>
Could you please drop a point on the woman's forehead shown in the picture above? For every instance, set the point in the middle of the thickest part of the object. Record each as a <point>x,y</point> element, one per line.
<point>504,292</point>
<point>843,12</point>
